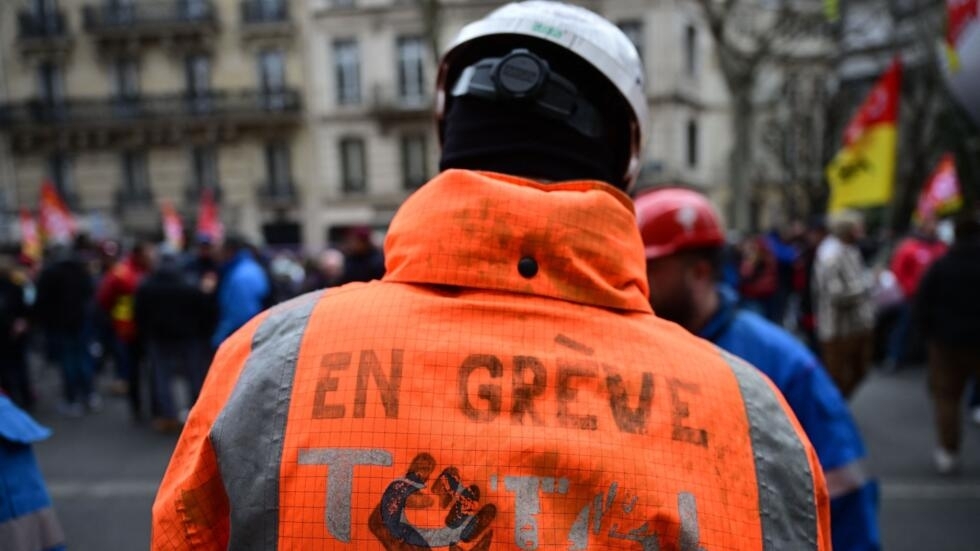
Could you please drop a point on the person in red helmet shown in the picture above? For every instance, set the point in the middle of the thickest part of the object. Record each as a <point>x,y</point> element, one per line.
<point>683,240</point>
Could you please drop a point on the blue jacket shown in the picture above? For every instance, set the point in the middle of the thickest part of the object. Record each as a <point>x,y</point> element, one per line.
<point>820,408</point>
<point>241,295</point>
<point>27,521</point>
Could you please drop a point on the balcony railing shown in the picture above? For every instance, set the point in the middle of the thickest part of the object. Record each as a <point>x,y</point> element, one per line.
<point>390,105</point>
<point>277,194</point>
<point>128,198</point>
<point>258,12</point>
<point>153,15</point>
<point>166,108</point>
<point>34,27</point>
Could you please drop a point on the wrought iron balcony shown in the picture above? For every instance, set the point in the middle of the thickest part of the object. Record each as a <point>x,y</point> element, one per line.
<point>151,19</point>
<point>45,33</point>
<point>390,105</point>
<point>161,119</point>
<point>130,198</point>
<point>274,194</point>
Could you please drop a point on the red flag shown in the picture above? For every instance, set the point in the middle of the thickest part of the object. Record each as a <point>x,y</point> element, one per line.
<point>30,239</point>
<point>941,194</point>
<point>57,222</point>
<point>173,227</point>
<point>208,220</point>
<point>881,105</point>
<point>959,14</point>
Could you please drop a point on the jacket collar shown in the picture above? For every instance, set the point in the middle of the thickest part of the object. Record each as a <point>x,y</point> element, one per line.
<point>723,317</point>
<point>471,229</point>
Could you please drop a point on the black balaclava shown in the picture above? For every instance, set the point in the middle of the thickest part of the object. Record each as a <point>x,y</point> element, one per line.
<point>510,138</point>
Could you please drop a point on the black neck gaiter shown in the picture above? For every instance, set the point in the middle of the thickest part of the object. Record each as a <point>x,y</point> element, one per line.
<point>510,139</point>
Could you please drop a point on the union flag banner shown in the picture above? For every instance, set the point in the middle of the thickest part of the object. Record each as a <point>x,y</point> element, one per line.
<point>57,223</point>
<point>941,194</point>
<point>862,173</point>
<point>962,59</point>
<point>208,219</point>
<point>173,227</point>
<point>30,238</point>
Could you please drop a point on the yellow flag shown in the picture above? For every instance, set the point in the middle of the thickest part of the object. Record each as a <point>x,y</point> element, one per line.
<point>862,174</point>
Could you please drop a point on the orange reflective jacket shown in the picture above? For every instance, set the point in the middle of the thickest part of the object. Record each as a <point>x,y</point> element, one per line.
<point>504,386</point>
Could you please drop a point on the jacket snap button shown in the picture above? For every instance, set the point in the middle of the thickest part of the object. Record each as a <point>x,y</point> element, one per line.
<point>527,267</point>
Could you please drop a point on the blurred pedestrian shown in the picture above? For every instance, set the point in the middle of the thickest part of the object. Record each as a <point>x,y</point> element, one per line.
<point>243,288</point>
<point>507,359</point>
<point>64,310</point>
<point>684,240</point>
<point>116,294</point>
<point>814,234</point>
<point>27,519</point>
<point>286,276</point>
<point>175,318</point>
<point>912,258</point>
<point>758,276</point>
<point>785,253</point>
<point>326,270</point>
<point>947,311</point>
<point>203,265</point>
<point>14,325</point>
<point>844,307</point>
<point>363,260</point>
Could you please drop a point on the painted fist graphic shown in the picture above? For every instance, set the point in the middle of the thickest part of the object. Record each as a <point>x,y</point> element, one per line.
<point>446,514</point>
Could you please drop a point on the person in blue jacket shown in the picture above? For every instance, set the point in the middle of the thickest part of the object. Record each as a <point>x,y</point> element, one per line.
<point>683,242</point>
<point>27,520</point>
<point>242,289</point>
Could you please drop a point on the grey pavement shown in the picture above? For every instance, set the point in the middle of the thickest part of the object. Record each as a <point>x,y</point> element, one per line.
<point>103,470</point>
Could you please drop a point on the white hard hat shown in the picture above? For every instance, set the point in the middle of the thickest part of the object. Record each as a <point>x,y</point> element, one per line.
<point>589,36</point>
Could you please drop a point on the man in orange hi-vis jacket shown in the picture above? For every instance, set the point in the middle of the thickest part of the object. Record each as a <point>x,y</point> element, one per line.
<point>506,384</point>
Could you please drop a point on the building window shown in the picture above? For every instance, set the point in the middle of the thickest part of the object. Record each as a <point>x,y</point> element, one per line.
<point>411,68</point>
<point>347,58</point>
<point>353,165</point>
<point>197,75</point>
<point>59,171</point>
<point>194,9</point>
<point>633,29</point>
<point>136,179</point>
<point>204,169</point>
<point>42,9</point>
<point>278,173</point>
<point>415,160</point>
<point>50,83</point>
<point>272,78</point>
<point>270,10</point>
<point>127,79</point>
<point>691,50</point>
<point>341,3</point>
<point>692,143</point>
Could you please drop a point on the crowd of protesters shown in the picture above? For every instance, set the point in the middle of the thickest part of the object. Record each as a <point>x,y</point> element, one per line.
<point>859,301</point>
<point>143,317</point>
<point>132,321</point>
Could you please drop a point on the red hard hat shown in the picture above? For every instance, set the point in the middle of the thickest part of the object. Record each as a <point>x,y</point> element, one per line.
<point>674,219</point>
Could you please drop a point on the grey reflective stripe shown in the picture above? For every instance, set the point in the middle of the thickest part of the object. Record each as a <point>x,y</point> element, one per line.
<point>32,532</point>
<point>845,479</point>
<point>787,506</point>
<point>248,434</point>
